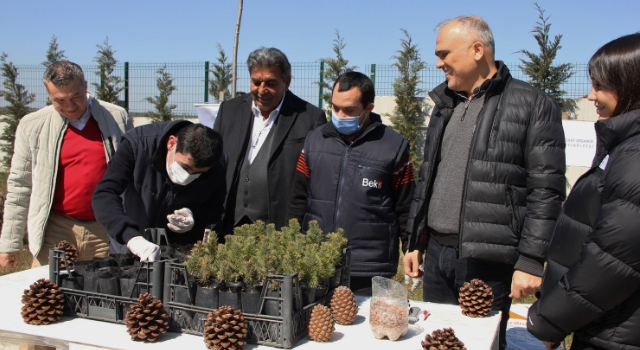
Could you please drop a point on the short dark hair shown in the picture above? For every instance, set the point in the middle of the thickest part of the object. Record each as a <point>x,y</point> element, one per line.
<point>62,73</point>
<point>202,143</point>
<point>616,66</point>
<point>270,57</point>
<point>349,80</point>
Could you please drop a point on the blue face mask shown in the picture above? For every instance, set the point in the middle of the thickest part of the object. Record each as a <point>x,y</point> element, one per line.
<point>346,125</point>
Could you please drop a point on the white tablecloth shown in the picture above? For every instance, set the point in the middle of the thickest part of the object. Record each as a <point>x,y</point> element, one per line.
<point>79,333</point>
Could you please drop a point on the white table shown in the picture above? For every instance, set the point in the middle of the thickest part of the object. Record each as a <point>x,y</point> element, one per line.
<point>80,333</point>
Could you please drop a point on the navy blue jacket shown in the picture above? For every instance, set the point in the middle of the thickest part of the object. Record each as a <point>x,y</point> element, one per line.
<point>138,170</point>
<point>363,187</point>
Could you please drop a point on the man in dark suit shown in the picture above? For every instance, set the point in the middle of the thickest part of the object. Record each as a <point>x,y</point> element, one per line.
<point>263,134</point>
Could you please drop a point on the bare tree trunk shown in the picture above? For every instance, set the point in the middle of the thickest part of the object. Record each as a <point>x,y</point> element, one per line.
<point>235,50</point>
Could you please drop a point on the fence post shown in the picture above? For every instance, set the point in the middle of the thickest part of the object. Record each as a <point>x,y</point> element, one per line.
<point>373,74</point>
<point>320,84</point>
<point>126,86</point>
<point>206,81</point>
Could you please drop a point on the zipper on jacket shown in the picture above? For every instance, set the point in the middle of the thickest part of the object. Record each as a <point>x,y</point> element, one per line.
<point>515,214</point>
<point>340,184</point>
<point>55,174</point>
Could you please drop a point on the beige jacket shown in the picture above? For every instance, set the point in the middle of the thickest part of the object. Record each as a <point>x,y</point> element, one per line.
<point>34,167</point>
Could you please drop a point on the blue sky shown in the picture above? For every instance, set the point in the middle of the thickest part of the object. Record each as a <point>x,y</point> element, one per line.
<point>187,31</point>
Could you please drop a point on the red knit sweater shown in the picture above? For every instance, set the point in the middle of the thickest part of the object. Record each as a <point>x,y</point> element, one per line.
<point>82,165</point>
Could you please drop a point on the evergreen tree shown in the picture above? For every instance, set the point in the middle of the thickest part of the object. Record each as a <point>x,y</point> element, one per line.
<point>407,117</point>
<point>539,67</point>
<point>18,98</point>
<point>333,68</point>
<point>221,76</point>
<point>160,102</point>
<point>109,87</point>
<point>53,54</point>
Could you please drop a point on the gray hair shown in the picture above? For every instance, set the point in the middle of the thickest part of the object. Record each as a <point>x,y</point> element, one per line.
<point>62,73</point>
<point>474,25</point>
<point>269,57</point>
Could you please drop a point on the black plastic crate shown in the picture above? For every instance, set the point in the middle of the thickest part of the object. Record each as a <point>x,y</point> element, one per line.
<point>281,331</point>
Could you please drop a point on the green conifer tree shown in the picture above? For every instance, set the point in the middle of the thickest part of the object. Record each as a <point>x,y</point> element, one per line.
<point>163,112</point>
<point>53,53</point>
<point>222,76</point>
<point>333,68</point>
<point>540,69</point>
<point>109,87</point>
<point>18,98</point>
<point>408,117</point>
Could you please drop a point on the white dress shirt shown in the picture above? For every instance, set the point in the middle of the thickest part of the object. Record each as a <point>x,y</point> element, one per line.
<point>261,129</point>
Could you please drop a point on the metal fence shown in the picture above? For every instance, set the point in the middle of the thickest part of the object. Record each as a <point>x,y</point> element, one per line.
<point>190,79</point>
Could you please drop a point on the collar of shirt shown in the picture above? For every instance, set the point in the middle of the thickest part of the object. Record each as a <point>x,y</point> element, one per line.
<point>82,122</point>
<point>261,128</point>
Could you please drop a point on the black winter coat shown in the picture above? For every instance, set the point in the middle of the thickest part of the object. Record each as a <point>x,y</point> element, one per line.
<point>138,170</point>
<point>592,282</point>
<point>515,181</point>
<point>363,187</point>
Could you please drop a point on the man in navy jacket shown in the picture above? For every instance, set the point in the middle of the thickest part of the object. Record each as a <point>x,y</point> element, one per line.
<point>172,176</point>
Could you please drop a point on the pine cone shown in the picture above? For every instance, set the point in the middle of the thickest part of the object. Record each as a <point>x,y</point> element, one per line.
<point>225,329</point>
<point>343,306</point>
<point>475,298</point>
<point>442,339</point>
<point>147,320</point>
<point>70,252</point>
<point>43,303</point>
<point>321,325</point>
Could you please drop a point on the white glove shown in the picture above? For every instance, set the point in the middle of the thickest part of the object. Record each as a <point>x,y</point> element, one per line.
<point>146,250</point>
<point>180,221</point>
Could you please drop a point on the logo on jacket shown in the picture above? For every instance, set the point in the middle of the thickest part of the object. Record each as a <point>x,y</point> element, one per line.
<point>371,183</point>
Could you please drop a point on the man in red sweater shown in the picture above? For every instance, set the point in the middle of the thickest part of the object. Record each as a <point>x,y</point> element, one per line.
<point>61,153</point>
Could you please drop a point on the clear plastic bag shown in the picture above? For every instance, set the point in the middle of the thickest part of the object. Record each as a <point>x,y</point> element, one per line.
<point>389,314</point>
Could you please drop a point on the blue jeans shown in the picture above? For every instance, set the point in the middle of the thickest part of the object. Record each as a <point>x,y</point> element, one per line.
<point>444,274</point>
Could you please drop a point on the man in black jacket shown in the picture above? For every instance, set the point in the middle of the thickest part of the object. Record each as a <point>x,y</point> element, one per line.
<point>356,173</point>
<point>172,176</point>
<point>263,134</point>
<point>492,182</point>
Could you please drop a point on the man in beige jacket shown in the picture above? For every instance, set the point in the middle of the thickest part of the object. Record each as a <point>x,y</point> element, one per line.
<point>61,152</point>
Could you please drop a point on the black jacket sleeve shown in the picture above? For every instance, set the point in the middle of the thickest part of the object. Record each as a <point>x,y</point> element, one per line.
<point>210,214</point>
<point>107,197</point>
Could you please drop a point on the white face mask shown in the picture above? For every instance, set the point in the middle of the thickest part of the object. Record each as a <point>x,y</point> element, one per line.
<point>177,174</point>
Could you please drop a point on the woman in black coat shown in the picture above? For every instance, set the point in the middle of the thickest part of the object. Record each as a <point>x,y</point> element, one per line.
<point>592,283</point>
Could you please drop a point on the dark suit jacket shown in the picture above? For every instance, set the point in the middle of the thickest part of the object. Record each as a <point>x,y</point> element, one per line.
<point>234,122</point>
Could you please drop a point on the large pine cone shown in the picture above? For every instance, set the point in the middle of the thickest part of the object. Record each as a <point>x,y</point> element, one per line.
<point>70,252</point>
<point>321,325</point>
<point>147,319</point>
<point>475,298</point>
<point>43,303</point>
<point>343,306</point>
<point>444,339</point>
<point>225,329</point>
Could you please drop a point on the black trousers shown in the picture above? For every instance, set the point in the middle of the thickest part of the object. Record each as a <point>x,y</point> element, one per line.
<point>444,274</point>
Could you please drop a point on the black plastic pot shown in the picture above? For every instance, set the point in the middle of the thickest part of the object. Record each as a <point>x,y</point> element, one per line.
<point>128,282</point>
<point>271,307</point>
<point>321,292</point>
<point>308,295</point>
<point>334,281</point>
<point>73,281</point>
<point>231,295</point>
<point>109,283</point>
<point>184,293</point>
<point>81,266</point>
<point>207,296</point>
<point>250,298</point>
